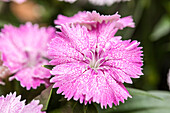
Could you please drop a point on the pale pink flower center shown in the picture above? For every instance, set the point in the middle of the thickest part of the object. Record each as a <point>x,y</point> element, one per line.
<point>96,60</point>
<point>32,60</point>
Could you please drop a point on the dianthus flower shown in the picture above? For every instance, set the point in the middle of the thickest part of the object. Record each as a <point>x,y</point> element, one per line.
<point>90,19</point>
<point>12,104</point>
<point>92,65</point>
<point>17,1</point>
<point>98,2</point>
<point>24,52</point>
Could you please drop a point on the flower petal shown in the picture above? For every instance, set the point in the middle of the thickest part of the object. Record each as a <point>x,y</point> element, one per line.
<point>12,104</point>
<point>33,107</point>
<point>61,47</point>
<point>100,88</point>
<point>27,78</point>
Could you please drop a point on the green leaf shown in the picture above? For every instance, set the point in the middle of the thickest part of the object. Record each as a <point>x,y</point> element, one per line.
<point>49,66</point>
<point>161,29</point>
<point>135,92</point>
<point>44,97</point>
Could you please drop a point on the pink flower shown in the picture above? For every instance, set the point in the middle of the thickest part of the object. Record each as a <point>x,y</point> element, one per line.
<point>90,19</point>
<point>17,1</point>
<point>24,52</point>
<point>12,104</point>
<point>92,65</point>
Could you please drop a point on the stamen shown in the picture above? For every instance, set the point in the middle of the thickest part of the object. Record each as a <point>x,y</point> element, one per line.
<point>86,68</point>
<point>106,58</point>
<point>103,67</point>
<point>98,63</point>
<point>103,61</point>
<point>104,49</point>
<point>93,58</point>
<point>86,58</point>
<point>96,58</point>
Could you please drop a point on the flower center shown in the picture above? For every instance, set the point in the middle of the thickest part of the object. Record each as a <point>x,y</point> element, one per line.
<point>96,60</point>
<point>32,59</point>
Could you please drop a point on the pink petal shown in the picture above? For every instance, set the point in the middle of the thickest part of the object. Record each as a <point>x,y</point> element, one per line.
<point>12,104</point>
<point>127,22</point>
<point>62,59</point>
<point>27,78</point>
<point>41,72</point>
<point>90,19</point>
<point>33,107</point>
<point>59,47</point>
<point>77,36</point>
<point>104,32</point>
<point>72,82</point>
<point>124,50</point>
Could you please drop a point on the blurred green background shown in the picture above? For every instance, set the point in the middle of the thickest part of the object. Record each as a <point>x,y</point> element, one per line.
<point>152,19</point>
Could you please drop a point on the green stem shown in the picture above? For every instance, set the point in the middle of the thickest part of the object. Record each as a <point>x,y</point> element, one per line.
<point>85,108</point>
